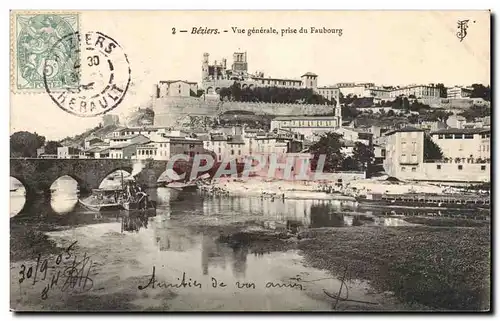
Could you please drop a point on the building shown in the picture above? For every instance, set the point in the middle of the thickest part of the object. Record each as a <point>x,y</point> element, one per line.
<point>432,125</point>
<point>110,119</point>
<point>40,151</point>
<point>378,93</point>
<point>355,135</point>
<point>404,160</point>
<point>310,80</point>
<point>67,152</point>
<point>127,139</point>
<point>456,121</point>
<point>464,143</point>
<point>123,151</point>
<point>330,93</point>
<point>379,110</point>
<point>175,88</point>
<point>91,141</point>
<point>239,143</point>
<point>165,148</point>
<point>218,75</point>
<point>99,151</point>
<point>419,91</point>
<point>354,90</point>
<point>458,92</point>
<point>311,127</point>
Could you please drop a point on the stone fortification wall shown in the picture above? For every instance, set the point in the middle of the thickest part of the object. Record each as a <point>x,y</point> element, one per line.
<point>170,111</point>
<point>452,103</point>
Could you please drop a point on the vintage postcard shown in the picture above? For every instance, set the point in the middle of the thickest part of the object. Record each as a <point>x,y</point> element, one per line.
<point>250,161</point>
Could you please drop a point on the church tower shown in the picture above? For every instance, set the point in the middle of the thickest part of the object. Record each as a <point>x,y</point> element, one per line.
<point>204,67</point>
<point>338,108</point>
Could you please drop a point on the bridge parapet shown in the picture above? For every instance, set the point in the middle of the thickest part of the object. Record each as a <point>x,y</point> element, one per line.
<point>38,174</point>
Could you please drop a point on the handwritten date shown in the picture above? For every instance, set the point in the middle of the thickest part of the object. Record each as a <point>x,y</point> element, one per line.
<point>68,272</point>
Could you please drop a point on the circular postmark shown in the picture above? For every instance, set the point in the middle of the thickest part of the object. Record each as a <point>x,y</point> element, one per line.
<point>97,73</point>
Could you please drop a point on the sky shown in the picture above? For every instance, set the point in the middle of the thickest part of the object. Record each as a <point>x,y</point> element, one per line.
<point>383,47</point>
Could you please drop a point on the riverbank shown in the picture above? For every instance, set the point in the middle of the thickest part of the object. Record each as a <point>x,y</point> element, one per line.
<point>439,265</point>
<point>264,187</point>
<point>445,268</point>
<point>268,187</point>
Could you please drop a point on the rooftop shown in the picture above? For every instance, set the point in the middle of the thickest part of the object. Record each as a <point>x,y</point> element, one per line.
<point>126,136</point>
<point>407,129</point>
<point>123,145</point>
<point>172,81</point>
<point>236,139</point>
<point>309,74</point>
<point>305,118</point>
<point>461,131</point>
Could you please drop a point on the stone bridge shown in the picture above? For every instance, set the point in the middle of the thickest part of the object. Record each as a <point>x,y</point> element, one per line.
<point>37,174</point>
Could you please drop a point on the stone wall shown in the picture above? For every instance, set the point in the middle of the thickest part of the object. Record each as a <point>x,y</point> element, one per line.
<point>170,111</point>
<point>455,103</point>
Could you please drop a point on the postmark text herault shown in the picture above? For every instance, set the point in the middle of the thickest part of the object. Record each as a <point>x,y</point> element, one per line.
<point>103,70</point>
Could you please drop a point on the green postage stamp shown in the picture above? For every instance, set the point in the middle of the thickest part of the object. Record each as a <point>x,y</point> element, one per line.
<point>42,59</point>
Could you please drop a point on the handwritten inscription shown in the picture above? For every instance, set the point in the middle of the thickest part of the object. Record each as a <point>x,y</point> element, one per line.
<point>187,282</point>
<point>67,272</point>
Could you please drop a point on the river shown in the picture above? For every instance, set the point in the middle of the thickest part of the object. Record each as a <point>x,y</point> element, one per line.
<point>120,252</point>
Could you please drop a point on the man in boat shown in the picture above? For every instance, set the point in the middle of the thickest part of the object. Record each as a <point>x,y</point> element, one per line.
<point>143,197</point>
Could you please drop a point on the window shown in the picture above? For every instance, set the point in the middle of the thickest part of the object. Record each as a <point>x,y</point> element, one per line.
<point>448,136</point>
<point>232,151</point>
<point>403,169</point>
<point>468,136</point>
<point>440,136</point>
<point>483,167</point>
<point>438,166</point>
<point>413,169</point>
<point>459,136</point>
<point>460,167</point>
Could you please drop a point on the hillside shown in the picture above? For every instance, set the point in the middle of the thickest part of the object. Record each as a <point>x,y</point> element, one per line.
<point>141,117</point>
<point>98,131</point>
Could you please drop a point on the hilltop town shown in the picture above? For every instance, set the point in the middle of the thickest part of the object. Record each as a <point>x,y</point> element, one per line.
<point>418,132</point>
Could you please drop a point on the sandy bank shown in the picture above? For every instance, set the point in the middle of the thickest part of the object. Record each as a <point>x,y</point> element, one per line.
<point>260,186</point>
<point>257,187</point>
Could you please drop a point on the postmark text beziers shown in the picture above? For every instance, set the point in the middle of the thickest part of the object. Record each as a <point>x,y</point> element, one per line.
<point>104,72</point>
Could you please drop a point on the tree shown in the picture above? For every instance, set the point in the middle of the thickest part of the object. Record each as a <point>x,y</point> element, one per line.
<point>442,90</point>
<point>329,145</point>
<point>413,119</point>
<point>363,155</point>
<point>480,91</point>
<point>51,147</point>
<point>431,150</point>
<point>25,144</point>
<point>349,113</point>
<point>476,112</point>
<point>348,164</point>
<point>397,103</point>
<point>406,104</point>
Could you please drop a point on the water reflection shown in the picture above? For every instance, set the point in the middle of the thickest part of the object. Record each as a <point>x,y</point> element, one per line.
<point>17,196</point>
<point>114,180</point>
<point>64,195</point>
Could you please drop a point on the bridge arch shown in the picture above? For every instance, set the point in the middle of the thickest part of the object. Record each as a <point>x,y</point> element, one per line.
<point>17,196</point>
<point>80,182</point>
<point>127,169</point>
